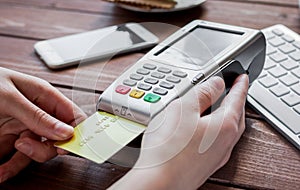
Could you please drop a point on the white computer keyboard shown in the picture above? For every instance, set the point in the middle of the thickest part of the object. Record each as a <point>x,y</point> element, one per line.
<point>276,93</point>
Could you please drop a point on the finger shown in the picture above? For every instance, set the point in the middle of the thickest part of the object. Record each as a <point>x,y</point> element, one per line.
<point>236,98</point>
<point>61,151</point>
<point>209,92</point>
<point>11,126</point>
<point>38,120</point>
<point>8,141</point>
<point>39,151</point>
<point>12,167</point>
<point>225,122</point>
<point>48,98</point>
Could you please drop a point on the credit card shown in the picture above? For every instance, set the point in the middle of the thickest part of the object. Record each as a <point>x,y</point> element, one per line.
<point>100,136</point>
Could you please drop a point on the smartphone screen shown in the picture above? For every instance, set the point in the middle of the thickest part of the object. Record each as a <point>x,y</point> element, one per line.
<point>94,43</point>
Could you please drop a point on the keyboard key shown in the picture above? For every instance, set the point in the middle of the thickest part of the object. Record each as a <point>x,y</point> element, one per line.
<point>164,70</point>
<point>269,63</point>
<point>278,57</point>
<point>268,81</point>
<point>149,66</point>
<point>151,80</point>
<point>263,74</point>
<point>277,32</point>
<point>166,85</point>
<point>296,88</point>
<point>129,82</point>
<point>270,50</point>
<point>291,99</point>
<point>158,75</point>
<point>295,55</point>
<point>289,64</point>
<point>152,98</point>
<point>276,42</point>
<point>143,71</point>
<point>136,93</point>
<point>143,86</point>
<point>136,77</point>
<point>269,35</point>
<point>289,80</point>
<point>160,91</point>
<point>277,71</point>
<point>297,109</point>
<point>122,89</point>
<point>180,74</point>
<point>288,38</point>
<point>287,48</point>
<point>173,79</point>
<point>279,90</point>
<point>297,44</point>
<point>296,72</point>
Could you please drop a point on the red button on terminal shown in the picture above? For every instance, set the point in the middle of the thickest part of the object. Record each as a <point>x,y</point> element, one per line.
<point>122,89</point>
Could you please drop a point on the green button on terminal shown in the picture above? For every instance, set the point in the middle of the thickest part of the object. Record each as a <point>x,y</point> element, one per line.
<point>152,98</point>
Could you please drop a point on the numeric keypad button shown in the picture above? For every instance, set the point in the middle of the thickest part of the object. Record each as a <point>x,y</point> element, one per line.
<point>122,89</point>
<point>158,75</point>
<point>180,74</point>
<point>136,77</point>
<point>152,98</point>
<point>136,93</point>
<point>143,71</point>
<point>129,82</point>
<point>151,81</point>
<point>160,91</point>
<point>164,70</point>
<point>173,79</point>
<point>166,85</point>
<point>143,86</point>
<point>149,66</point>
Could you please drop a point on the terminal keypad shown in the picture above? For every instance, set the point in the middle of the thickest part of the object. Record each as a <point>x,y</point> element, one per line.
<point>151,82</point>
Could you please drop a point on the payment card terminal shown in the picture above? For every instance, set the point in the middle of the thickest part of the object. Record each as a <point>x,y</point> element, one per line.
<point>194,53</point>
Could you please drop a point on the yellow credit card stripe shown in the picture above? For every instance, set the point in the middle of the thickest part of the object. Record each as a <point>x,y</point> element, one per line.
<point>101,135</point>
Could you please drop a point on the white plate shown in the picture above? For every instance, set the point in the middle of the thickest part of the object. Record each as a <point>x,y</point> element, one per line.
<point>181,5</point>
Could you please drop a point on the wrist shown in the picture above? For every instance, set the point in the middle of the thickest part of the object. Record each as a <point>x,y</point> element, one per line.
<point>157,177</point>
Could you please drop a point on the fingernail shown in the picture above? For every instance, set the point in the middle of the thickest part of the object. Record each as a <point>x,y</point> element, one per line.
<point>244,77</point>
<point>64,131</point>
<point>25,148</point>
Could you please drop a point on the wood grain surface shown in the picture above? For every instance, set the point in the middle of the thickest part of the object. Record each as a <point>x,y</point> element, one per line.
<point>262,159</point>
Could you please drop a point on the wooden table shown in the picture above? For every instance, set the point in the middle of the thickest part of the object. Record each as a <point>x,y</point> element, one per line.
<point>262,159</point>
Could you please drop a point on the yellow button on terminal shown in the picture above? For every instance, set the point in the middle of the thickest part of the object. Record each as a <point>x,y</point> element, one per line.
<point>137,93</point>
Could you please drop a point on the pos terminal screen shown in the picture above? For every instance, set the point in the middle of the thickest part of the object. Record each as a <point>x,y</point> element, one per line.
<point>199,45</point>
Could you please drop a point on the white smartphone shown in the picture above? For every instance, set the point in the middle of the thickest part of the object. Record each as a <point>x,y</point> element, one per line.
<point>97,44</point>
